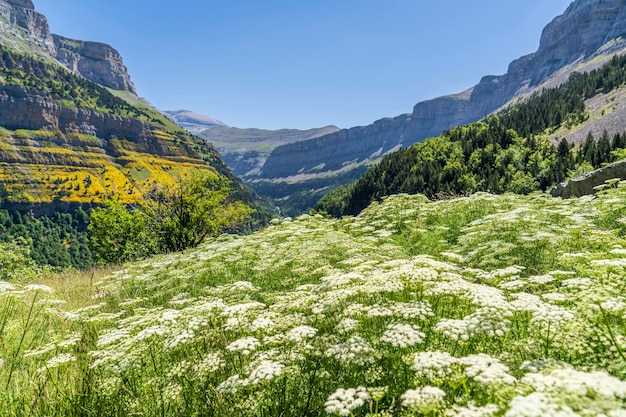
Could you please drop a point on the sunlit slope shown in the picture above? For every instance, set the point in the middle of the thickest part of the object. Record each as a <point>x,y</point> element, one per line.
<point>68,139</point>
<point>480,306</point>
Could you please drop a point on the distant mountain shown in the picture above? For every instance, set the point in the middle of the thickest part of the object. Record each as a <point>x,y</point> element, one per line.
<point>244,150</point>
<point>193,122</point>
<point>585,37</point>
<point>73,131</point>
<point>513,150</point>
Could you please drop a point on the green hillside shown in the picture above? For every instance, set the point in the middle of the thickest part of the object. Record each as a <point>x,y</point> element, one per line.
<point>507,152</point>
<point>487,305</point>
<point>68,144</point>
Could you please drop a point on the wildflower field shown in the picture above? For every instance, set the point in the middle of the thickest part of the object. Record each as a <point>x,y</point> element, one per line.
<point>481,306</point>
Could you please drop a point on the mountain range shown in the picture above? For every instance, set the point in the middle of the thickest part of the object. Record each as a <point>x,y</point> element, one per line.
<point>72,128</point>
<point>583,38</point>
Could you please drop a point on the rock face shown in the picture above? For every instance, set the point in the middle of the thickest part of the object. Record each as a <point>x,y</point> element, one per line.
<point>589,31</point>
<point>586,184</point>
<point>95,61</point>
<point>22,14</point>
<point>26,30</point>
<point>193,122</point>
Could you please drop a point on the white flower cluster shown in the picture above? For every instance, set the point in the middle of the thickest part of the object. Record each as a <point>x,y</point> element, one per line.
<point>347,325</point>
<point>482,368</point>
<point>472,411</point>
<point>265,371</point>
<point>343,401</point>
<point>39,288</point>
<point>245,345</point>
<point>537,405</point>
<point>301,333</point>
<point>355,351</point>
<point>403,335</point>
<point>211,363</point>
<point>434,365</point>
<point>486,370</point>
<point>425,400</point>
<point>413,310</point>
<point>58,360</point>
<point>598,384</point>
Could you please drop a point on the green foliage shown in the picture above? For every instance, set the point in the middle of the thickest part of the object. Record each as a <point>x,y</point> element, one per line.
<point>59,241</point>
<point>119,235</point>
<point>16,263</point>
<point>498,155</point>
<point>56,83</point>
<point>198,206</point>
<point>170,219</point>
<point>509,305</point>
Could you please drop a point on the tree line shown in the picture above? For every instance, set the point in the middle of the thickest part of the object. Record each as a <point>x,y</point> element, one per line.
<point>502,153</point>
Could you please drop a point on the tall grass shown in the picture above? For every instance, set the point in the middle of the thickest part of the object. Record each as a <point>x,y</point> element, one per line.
<point>481,306</point>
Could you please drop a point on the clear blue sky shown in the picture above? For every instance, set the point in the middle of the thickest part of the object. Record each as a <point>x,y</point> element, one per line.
<point>305,63</point>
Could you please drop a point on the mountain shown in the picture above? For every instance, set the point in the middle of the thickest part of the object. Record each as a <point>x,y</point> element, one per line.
<point>73,131</point>
<point>585,37</point>
<point>246,150</point>
<point>510,151</point>
<point>193,122</point>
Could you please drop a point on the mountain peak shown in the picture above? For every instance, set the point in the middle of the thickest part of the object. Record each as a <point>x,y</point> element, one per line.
<point>27,4</point>
<point>193,122</point>
<point>26,30</point>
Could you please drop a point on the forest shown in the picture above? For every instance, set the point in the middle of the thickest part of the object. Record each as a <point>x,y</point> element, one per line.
<point>505,152</point>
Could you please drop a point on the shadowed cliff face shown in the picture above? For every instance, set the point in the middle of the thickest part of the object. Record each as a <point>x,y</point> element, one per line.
<point>97,62</point>
<point>583,38</point>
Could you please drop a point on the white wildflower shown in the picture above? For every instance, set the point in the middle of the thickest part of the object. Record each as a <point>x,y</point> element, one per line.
<point>231,385</point>
<point>38,287</point>
<point>541,279</point>
<point>347,325</point>
<point>424,400</point>
<point>355,350</point>
<point>413,310</point>
<point>57,361</point>
<point>433,365</point>
<point>245,345</point>
<point>487,370</point>
<point>6,287</point>
<point>211,363</point>
<point>537,405</point>
<point>576,382</point>
<point>265,371</point>
<point>473,411</point>
<point>403,335</point>
<point>343,401</point>
<point>454,329</point>
<point>300,333</point>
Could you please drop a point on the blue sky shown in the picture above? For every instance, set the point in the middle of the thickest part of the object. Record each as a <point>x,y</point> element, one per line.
<point>301,64</point>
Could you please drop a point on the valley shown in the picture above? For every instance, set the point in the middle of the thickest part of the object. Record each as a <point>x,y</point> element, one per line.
<point>162,263</point>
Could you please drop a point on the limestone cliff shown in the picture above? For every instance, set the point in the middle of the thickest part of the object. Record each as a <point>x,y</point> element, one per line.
<point>23,29</point>
<point>583,38</point>
<point>95,61</point>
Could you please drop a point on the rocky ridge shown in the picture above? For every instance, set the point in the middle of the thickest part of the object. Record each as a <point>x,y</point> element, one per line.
<point>24,29</point>
<point>66,139</point>
<point>583,38</point>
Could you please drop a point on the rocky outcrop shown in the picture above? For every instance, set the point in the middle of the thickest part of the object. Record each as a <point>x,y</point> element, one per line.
<point>95,61</point>
<point>568,43</point>
<point>22,14</point>
<point>588,183</point>
<point>193,122</point>
<point>24,29</point>
<point>24,109</point>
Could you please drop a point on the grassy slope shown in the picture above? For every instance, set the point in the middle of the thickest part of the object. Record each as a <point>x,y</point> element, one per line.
<point>511,305</point>
<point>43,166</point>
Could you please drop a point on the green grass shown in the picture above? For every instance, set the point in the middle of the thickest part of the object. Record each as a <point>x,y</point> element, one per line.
<point>480,306</point>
